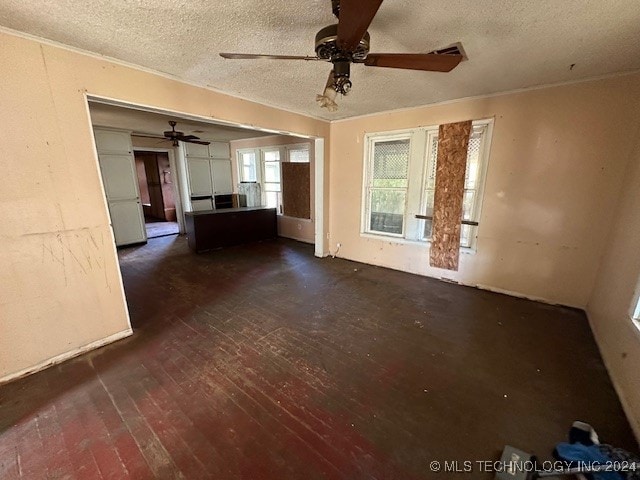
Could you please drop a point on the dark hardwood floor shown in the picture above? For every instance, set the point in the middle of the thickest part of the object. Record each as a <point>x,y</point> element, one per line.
<point>261,361</point>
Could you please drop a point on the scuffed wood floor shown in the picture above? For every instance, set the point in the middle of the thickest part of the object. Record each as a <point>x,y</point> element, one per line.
<point>262,362</point>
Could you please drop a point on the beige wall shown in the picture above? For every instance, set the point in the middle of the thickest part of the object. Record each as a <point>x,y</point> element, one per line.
<point>556,164</point>
<point>616,292</point>
<point>59,278</point>
<point>290,227</point>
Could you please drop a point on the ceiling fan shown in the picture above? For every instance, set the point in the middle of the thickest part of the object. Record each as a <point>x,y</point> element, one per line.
<point>176,137</point>
<point>347,42</point>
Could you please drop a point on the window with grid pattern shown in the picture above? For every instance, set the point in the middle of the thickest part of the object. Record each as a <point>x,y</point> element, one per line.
<point>387,190</point>
<point>298,154</point>
<point>400,180</point>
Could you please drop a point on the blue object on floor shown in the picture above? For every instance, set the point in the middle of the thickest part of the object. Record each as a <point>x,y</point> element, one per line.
<point>586,454</point>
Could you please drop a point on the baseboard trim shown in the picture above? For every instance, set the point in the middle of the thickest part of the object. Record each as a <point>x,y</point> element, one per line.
<point>512,293</point>
<point>298,239</point>
<point>66,356</point>
<point>462,283</point>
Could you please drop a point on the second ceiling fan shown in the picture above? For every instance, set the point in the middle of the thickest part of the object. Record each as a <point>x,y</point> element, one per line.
<point>347,42</point>
<point>176,136</point>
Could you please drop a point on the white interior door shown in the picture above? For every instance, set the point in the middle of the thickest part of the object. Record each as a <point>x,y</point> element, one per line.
<point>121,187</point>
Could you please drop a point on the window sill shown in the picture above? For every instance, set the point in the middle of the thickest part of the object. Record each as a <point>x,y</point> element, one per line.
<point>423,243</point>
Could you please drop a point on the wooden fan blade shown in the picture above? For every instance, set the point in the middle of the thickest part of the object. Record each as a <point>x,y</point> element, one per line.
<point>199,142</point>
<point>430,62</point>
<point>251,56</point>
<point>355,17</point>
<point>186,138</point>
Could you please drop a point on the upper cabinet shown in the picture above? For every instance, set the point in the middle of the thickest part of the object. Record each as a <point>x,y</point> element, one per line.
<point>219,150</point>
<point>112,141</point>
<point>209,168</point>
<point>213,150</point>
<point>200,182</point>
<point>221,175</point>
<point>195,150</point>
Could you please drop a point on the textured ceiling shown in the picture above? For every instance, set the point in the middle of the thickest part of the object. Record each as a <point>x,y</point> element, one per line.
<point>148,123</point>
<point>511,44</point>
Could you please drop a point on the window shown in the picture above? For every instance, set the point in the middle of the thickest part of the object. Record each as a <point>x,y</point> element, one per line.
<point>470,203</point>
<point>298,153</point>
<point>400,182</point>
<point>247,165</point>
<point>387,189</point>
<point>262,165</point>
<point>271,175</point>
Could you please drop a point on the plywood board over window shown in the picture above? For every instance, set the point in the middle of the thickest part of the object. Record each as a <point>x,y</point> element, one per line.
<point>296,182</point>
<point>453,142</point>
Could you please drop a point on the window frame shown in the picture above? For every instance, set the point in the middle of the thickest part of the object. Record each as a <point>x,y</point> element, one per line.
<point>372,139</point>
<point>413,229</point>
<point>263,184</point>
<point>240,164</point>
<point>297,146</point>
<point>259,155</point>
<point>484,127</point>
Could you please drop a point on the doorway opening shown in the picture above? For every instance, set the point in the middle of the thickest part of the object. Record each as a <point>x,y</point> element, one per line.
<point>155,182</point>
<point>204,175</point>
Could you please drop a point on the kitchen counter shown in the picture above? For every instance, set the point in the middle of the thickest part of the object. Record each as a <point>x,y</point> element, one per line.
<point>210,229</point>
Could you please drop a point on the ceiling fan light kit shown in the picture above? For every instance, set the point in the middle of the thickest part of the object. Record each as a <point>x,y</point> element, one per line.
<point>328,98</point>
<point>348,42</point>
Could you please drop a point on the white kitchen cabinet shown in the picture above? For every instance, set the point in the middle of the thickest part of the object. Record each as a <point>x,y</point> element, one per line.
<point>221,175</point>
<point>128,222</point>
<point>195,150</point>
<point>203,204</point>
<point>199,170</point>
<point>219,150</point>
<point>117,167</point>
<point>213,150</point>
<point>113,141</point>
<point>209,171</point>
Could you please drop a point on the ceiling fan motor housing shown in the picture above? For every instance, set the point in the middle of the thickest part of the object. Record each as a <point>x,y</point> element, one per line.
<point>327,45</point>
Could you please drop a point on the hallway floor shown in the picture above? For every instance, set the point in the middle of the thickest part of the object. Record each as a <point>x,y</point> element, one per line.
<point>264,362</point>
<point>158,228</point>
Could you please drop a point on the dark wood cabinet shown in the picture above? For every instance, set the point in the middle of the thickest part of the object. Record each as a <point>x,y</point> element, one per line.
<point>211,229</point>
